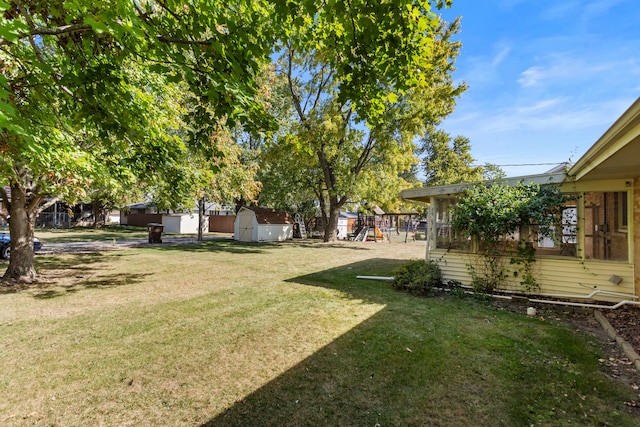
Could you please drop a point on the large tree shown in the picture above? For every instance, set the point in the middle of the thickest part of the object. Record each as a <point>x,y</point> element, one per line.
<point>354,134</point>
<point>79,83</point>
<point>449,161</point>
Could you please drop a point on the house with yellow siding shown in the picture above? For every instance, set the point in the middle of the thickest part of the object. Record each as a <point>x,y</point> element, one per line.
<point>597,251</point>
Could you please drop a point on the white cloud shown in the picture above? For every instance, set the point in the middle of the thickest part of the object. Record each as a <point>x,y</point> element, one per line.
<point>583,11</point>
<point>561,10</point>
<point>532,76</point>
<point>570,68</point>
<point>549,81</point>
<point>500,56</point>
<point>511,4</point>
<point>540,106</point>
<point>546,116</point>
<point>550,130</point>
<point>594,9</point>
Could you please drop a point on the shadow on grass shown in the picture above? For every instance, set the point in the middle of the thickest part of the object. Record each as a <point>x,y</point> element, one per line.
<point>213,246</point>
<point>349,382</point>
<point>62,275</point>
<point>105,282</point>
<point>423,361</point>
<point>344,279</point>
<point>236,247</point>
<point>78,262</point>
<point>345,382</point>
<point>74,260</point>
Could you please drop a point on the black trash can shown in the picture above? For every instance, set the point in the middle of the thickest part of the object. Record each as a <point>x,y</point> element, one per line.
<point>155,232</point>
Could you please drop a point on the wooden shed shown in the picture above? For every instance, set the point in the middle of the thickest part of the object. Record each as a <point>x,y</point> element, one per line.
<point>263,225</point>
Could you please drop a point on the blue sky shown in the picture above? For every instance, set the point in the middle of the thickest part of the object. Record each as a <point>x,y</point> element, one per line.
<point>546,78</point>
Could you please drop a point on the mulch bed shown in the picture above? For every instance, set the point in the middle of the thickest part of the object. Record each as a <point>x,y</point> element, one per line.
<point>626,321</point>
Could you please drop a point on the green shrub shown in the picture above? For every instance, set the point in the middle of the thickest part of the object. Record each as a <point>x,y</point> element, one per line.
<point>492,215</point>
<point>418,277</point>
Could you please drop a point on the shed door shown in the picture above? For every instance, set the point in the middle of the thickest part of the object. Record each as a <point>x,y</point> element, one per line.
<point>245,225</point>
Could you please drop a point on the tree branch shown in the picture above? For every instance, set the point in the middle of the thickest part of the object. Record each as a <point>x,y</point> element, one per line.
<point>176,40</point>
<point>49,203</point>
<point>171,12</point>
<point>294,95</point>
<point>57,31</point>
<point>324,81</point>
<point>27,17</point>
<point>80,28</point>
<point>364,156</point>
<point>5,197</point>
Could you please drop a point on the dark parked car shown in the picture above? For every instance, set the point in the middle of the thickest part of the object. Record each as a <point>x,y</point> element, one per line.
<point>5,245</point>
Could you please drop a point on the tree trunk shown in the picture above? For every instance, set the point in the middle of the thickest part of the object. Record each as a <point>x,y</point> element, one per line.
<point>99,213</point>
<point>201,219</point>
<point>331,223</point>
<point>22,219</point>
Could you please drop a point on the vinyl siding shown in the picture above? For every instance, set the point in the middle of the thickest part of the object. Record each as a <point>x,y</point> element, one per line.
<point>555,275</point>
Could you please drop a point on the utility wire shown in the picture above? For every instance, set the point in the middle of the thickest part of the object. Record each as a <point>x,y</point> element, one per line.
<point>520,164</point>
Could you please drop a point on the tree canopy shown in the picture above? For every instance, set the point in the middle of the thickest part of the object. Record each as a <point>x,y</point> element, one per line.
<point>449,161</point>
<point>87,96</point>
<point>362,146</point>
<point>89,92</point>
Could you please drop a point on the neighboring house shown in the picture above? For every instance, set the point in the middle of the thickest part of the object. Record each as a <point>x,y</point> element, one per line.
<point>262,225</point>
<point>61,215</point>
<point>598,253</point>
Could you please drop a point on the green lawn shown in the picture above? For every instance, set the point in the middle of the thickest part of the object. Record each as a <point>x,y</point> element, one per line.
<point>222,333</point>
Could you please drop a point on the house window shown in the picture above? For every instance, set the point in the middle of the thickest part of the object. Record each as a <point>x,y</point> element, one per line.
<point>606,223</point>
<point>445,237</point>
<point>560,239</point>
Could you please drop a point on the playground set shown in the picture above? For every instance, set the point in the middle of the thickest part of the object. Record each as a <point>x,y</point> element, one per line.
<point>382,227</point>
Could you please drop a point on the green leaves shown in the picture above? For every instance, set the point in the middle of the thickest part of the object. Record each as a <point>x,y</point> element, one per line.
<point>446,161</point>
<point>490,212</point>
<point>499,218</point>
<point>372,47</point>
<point>98,27</point>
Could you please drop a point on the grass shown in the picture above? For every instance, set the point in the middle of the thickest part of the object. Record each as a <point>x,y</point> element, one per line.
<point>222,333</point>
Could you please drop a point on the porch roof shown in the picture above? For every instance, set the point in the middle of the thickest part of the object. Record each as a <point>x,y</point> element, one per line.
<point>423,194</point>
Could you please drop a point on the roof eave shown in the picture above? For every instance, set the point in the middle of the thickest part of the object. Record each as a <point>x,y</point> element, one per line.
<point>424,193</point>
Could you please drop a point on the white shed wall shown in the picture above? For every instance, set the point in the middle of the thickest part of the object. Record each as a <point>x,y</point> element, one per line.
<point>181,223</point>
<point>247,229</point>
<point>343,228</point>
<point>274,232</point>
